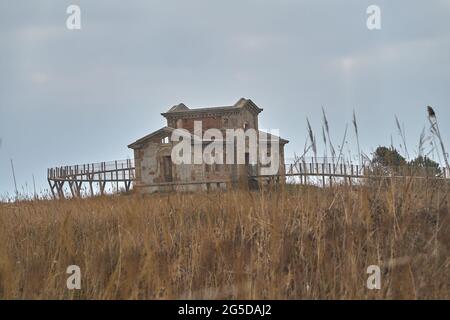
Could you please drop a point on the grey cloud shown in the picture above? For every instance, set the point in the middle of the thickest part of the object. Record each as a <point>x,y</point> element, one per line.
<point>77,96</point>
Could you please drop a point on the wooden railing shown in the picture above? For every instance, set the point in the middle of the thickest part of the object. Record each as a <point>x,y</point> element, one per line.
<point>329,172</point>
<point>119,172</point>
<point>358,171</point>
<point>122,173</point>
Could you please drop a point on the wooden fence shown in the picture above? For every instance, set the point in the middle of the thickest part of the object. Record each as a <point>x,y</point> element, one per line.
<point>117,173</point>
<point>121,173</point>
<point>348,172</point>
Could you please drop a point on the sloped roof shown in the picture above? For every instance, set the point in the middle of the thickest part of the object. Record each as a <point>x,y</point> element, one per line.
<point>182,109</point>
<point>166,131</point>
<point>163,132</point>
<point>269,137</point>
<point>160,132</point>
<point>178,107</point>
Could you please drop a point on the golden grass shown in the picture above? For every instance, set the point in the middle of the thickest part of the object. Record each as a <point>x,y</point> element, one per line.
<point>298,243</point>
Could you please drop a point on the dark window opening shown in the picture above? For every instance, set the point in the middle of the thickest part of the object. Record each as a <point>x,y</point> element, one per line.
<point>167,168</point>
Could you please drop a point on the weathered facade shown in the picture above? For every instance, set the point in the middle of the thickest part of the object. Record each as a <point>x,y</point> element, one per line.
<point>155,170</point>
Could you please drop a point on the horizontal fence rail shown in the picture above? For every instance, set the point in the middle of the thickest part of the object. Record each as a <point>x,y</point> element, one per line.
<point>328,173</point>
<point>358,171</point>
<point>119,172</point>
<point>122,173</point>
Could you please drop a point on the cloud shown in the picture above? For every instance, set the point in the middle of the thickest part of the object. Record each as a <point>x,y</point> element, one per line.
<point>39,78</point>
<point>419,51</point>
<point>253,41</point>
<point>137,58</point>
<point>40,34</point>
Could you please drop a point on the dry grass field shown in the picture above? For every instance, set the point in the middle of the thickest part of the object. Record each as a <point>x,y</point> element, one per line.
<point>296,243</point>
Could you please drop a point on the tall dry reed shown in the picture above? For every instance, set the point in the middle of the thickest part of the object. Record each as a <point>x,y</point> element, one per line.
<point>296,243</point>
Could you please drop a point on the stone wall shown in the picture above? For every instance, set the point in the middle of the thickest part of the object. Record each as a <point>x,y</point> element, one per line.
<point>149,159</point>
<point>223,120</point>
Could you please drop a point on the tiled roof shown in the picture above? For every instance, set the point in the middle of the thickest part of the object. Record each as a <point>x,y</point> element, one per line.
<point>181,108</point>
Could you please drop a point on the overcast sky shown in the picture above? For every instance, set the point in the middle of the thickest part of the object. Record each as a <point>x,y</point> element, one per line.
<point>76,96</point>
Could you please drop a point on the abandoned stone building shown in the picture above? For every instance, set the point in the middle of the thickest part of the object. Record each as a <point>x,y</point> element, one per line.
<point>155,170</point>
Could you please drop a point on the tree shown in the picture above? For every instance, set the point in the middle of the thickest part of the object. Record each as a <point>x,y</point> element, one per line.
<point>387,157</point>
<point>425,162</point>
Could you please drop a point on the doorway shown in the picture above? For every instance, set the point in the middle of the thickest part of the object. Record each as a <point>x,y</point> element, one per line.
<point>167,168</point>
